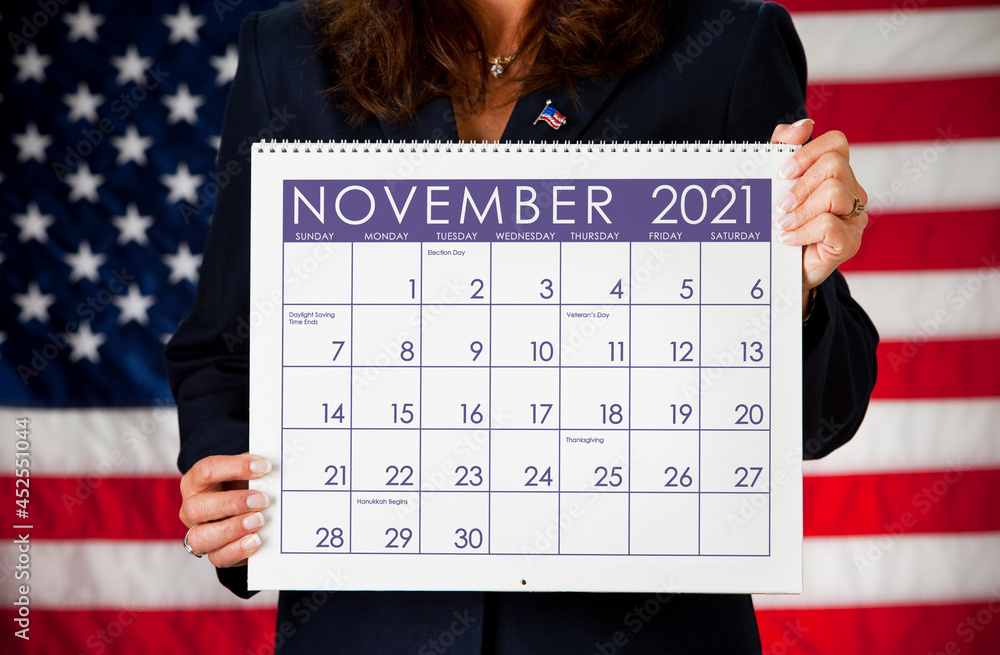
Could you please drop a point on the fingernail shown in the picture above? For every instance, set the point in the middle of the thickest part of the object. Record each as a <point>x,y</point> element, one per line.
<point>786,221</point>
<point>789,237</point>
<point>260,466</point>
<point>253,521</point>
<point>257,501</point>
<point>803,121</point>
<point>789,170</point>
<point>787,202</point>
<point>250,541</point>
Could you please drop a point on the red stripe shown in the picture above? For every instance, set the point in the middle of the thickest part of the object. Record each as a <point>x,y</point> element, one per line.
<point>953,500</point>
<point>923,110</point>
<point>967,628</point>
<point>102,632</point>
<point>101,508</point>
<point>929,240</point>
<point>938,369</point>
<point>904,7</point>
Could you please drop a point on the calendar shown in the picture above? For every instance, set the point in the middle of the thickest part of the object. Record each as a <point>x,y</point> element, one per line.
<point>525,367</point>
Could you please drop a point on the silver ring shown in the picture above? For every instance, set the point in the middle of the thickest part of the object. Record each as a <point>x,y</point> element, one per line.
<point>859,208</point>
<point>187,546</point>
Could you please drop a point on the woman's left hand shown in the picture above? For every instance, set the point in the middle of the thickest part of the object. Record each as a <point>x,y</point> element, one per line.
<point>821,202</point>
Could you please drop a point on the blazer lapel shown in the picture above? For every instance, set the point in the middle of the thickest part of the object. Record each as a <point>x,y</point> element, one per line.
<point>435,121</point>
<point>592,96</point>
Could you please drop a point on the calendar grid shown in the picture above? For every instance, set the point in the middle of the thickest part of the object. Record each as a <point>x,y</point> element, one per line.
<point>434,495</point>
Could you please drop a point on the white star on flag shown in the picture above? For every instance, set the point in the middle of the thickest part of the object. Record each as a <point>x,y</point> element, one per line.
<point>32,144</point>
<point>133,306</point>
<point>31,65</point>
<point>34,224</point>
<point>182,184</point>
<point>85,344</point>
<point>131,147</point>
<point>183,265</point>
<point>83,103</point>
<point>84,184</point>
<point>34,303</point>
<point>226,65</point>
<point>85,263</point>
<point>83,24</point>
<point>131,67</point>
<point>183,106</point>
<point>132,226</point>
<point>183,25</point>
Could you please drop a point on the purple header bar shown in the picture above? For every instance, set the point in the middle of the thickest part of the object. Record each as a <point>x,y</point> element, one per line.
<point>527,210</point>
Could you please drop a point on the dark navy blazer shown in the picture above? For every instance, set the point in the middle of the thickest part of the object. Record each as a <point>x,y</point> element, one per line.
<point>728,71</point>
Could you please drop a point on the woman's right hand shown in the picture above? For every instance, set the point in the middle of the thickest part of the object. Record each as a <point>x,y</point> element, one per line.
<point>220,510</point>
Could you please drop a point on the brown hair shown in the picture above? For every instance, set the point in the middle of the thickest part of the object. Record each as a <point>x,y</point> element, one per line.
<point>391,56</point>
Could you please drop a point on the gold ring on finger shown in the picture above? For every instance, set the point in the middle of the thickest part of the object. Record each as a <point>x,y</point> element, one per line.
<point>859,208</point>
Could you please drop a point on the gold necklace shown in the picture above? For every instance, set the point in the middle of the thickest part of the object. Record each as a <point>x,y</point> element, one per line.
<point>497,63</point>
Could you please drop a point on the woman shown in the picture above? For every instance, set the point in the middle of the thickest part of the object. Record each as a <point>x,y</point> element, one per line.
<point>705,70</point>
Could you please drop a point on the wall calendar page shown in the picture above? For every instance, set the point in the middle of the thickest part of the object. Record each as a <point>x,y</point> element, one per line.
<point>525,367</point>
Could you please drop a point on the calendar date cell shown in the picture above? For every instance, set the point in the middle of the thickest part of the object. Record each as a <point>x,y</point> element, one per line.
<point>385,523</point>
<point>525,335</point>
<point>525,461</point>
<point>594,461</point>
<point>735,462</point>
<point>316,397</point>
<point>386,273</point>
<point>665,273</point>
<point>455,336</point>
<point>456,273</point>
<point>740,336</point>
<point>735,398</point>
<point>461,397</point>
<point>316,460</point>
<point>585,283</point>
<point>389,398</point>
<point>736,273</point>
<point>595,336</point>
<point>665,462</point>
<point>455,523</point>
<point>317,273</point>
<point>601,398</point>
<point>524,398</point>
<point>673,531</point>
<point>314,522</point>
<point>526,273</point>
<point>455,460</point>
<point>386,460</point>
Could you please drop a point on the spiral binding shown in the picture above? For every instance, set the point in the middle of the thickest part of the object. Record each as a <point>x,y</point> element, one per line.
<point>405,147</point>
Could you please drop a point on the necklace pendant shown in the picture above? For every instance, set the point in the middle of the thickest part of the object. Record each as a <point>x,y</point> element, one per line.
<point>496,69</point>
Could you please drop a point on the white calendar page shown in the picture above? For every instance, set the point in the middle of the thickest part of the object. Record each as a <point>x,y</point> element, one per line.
<point>536,368</point>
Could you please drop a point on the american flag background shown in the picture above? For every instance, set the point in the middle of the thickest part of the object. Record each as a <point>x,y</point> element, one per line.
<point>111,112</point>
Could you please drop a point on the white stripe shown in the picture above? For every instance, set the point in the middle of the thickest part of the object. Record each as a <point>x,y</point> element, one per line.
<point>948,173</point>
<point>112,575</point>
<point>911,435</point>
<point>896,570</point>
<point>890,45</point>
<point>917,307</point>
<point>104,442</point>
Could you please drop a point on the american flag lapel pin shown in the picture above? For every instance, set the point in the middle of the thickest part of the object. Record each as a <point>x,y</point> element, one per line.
<point>551,116</point>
